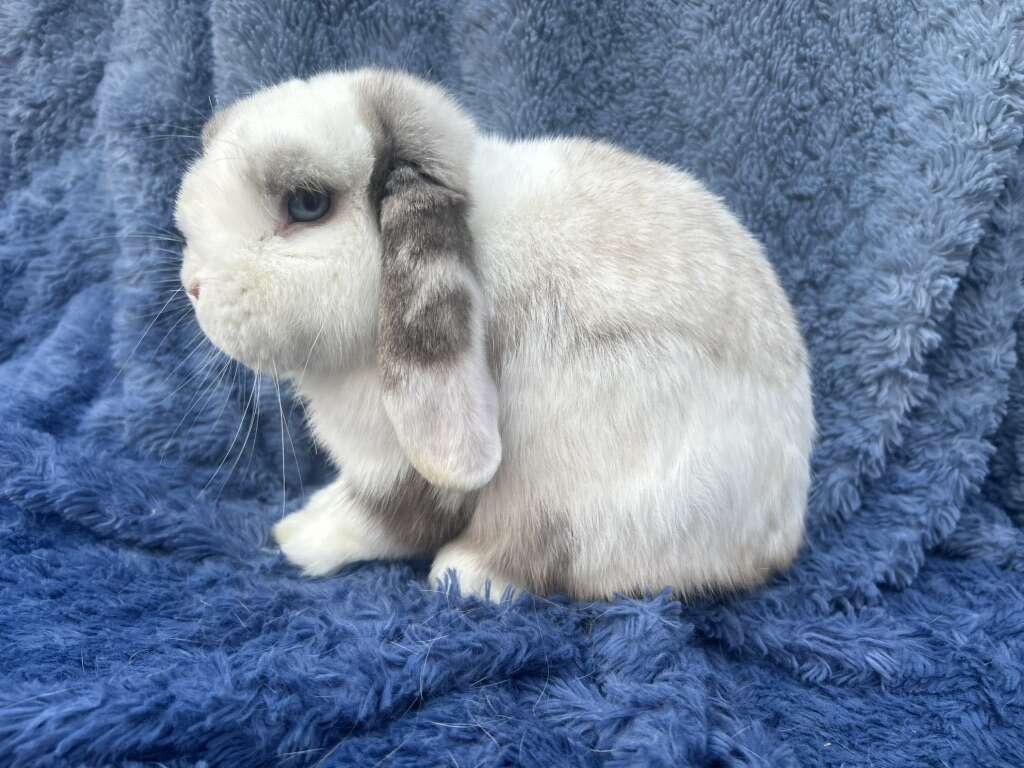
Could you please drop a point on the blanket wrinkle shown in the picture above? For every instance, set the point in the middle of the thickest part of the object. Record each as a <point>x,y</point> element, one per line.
<point>876,149</point>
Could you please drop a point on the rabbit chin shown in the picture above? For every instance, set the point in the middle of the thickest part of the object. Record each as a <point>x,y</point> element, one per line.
<point>266,336</point>
<point>243,340</point>
<point>283,335</point>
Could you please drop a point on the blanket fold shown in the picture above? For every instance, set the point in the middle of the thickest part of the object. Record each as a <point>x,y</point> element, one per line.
<point>876,149</point>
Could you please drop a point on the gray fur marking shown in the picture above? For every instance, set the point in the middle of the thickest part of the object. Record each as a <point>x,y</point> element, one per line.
<point>440,330</point>
<point>410,512</point>
<point>290,169</point>
<point>422,223</point>
<point>539,559</point>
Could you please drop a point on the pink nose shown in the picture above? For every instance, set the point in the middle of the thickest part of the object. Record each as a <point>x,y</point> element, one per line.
<point>193,289</point>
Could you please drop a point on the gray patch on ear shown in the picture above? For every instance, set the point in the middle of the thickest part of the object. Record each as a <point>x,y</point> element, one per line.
<point>424,216</point>
<point>422,223</point>
<point>385,159</point>
<point>412,514</point>
<point>426,314</point>
<point>412,123</point>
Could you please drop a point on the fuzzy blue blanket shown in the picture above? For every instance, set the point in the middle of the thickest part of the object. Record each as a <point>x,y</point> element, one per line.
<point>875,148</point>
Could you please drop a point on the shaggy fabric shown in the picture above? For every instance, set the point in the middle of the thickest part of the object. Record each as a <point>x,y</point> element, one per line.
<point>145,618</point>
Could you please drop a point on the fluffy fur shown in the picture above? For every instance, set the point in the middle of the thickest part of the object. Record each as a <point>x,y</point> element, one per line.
<point>628,335</point>
<point>147,618</point>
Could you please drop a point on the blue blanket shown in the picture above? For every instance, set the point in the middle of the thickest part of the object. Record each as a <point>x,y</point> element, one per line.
<point>146,618</point>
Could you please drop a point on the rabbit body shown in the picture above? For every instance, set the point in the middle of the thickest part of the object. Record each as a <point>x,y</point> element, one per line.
<point>620,400</point>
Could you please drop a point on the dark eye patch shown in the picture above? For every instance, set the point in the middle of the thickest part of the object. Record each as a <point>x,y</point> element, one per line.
<point>305,205</point>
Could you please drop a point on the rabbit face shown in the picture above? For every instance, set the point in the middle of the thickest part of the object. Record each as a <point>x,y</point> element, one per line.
<point>283,252</point>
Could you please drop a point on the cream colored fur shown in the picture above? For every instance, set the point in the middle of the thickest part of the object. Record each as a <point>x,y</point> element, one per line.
<point>653,394</point>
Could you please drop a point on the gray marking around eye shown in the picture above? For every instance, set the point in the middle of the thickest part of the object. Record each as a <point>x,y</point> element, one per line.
<point>287,169</point>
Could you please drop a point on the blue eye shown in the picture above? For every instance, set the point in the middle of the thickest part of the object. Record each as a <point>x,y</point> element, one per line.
<point>308,204</point>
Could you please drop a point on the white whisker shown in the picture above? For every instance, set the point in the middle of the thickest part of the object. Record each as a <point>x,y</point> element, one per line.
<point>280,411</point>
<point>144,333</point>
<point>238,431</point>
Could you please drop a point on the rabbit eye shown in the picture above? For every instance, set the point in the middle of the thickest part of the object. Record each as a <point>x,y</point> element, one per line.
<point>308,205</point>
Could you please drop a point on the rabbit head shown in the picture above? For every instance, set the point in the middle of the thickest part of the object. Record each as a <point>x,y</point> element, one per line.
<point>325,227</point>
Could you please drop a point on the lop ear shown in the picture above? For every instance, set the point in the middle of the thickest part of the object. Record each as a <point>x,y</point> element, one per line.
<point>431,348</point>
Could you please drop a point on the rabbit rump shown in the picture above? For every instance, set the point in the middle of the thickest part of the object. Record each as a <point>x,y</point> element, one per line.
<point>551,365</point>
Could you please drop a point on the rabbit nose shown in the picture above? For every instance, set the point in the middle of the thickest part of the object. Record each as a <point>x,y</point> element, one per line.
<point>193,289</point>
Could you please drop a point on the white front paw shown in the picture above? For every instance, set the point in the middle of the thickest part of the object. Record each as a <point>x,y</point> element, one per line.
<point>320,541</point>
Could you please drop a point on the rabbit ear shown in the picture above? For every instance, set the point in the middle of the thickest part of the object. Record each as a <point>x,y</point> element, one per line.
<point>438,387</point>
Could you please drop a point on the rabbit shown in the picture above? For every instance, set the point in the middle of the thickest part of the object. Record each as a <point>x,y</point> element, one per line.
<point>553,366</point>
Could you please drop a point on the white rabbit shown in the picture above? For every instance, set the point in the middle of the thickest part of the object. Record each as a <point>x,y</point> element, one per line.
<point>552,365</point>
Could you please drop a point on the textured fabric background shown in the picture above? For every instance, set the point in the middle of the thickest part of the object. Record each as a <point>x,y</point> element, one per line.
<point>875,148</point>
